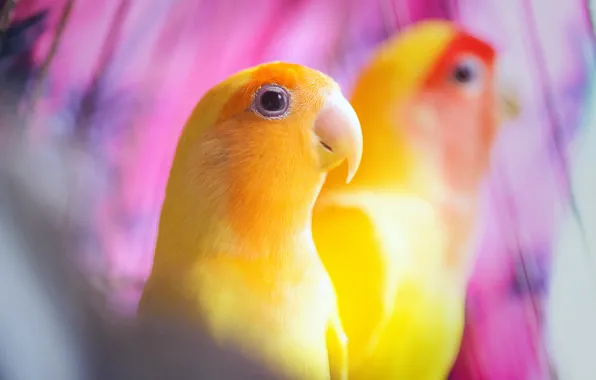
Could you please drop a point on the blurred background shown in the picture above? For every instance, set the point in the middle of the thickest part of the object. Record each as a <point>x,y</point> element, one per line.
<point>109,84</point>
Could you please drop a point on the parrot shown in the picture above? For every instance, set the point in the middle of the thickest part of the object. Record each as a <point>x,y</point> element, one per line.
<point>396,239</point>
<point>234,251</point>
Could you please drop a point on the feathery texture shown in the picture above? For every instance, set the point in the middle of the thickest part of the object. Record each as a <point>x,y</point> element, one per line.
<point>139,66</point>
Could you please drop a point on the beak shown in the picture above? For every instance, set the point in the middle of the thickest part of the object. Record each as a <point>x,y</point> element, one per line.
<point>339,136</point>
<point>508,104</point>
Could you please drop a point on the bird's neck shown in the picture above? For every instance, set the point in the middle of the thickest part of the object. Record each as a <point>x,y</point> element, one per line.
<point>265,219</point>
<point>391,163</point>
<point>272,217</point>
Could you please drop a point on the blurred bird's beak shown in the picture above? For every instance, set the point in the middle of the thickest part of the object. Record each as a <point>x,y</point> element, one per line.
<point>508,103</point>
<point>337,129</point>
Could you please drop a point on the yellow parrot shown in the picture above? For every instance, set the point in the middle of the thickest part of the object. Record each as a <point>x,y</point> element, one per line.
<point>395,240</point>
<point>234,251</point>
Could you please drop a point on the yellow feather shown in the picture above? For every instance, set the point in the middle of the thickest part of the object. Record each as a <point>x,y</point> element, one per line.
<point>234,252</point>
<point>395,241</point>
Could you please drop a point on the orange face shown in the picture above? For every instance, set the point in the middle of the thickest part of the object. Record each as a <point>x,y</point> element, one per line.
<point>453,117</point>
<point>268,123</point>
<point>259,144</point>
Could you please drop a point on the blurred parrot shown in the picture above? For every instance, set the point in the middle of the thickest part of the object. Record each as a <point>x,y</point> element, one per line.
<point>395,240</point>
<point>234,250</point>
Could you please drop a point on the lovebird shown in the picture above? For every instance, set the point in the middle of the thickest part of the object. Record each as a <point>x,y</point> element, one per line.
<point>234,250</point>
<point>395,240</point>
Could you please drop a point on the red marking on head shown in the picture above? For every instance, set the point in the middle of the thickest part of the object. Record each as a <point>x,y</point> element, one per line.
<point>464,113</point>
<point>463,44</point>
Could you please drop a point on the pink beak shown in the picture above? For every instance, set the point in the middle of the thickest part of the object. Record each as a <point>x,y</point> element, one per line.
<point>338,129</point>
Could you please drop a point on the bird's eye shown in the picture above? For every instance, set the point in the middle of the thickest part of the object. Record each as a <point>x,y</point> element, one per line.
<point>467,71</point>
<point>272,102</point>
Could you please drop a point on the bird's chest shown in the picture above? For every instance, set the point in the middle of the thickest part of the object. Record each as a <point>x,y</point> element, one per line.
<point>425,330</point>
<point>278,313</point>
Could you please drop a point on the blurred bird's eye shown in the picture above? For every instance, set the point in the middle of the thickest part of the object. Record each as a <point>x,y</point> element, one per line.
<point>467,71</point>
<point>272,102</point>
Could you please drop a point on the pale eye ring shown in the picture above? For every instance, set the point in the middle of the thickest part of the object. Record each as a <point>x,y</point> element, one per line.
<point>467,71</point>
<point>271,101</point>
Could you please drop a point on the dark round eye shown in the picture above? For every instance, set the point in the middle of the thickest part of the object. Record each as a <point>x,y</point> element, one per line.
<point>466,71</point>
<point>272,101</point>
